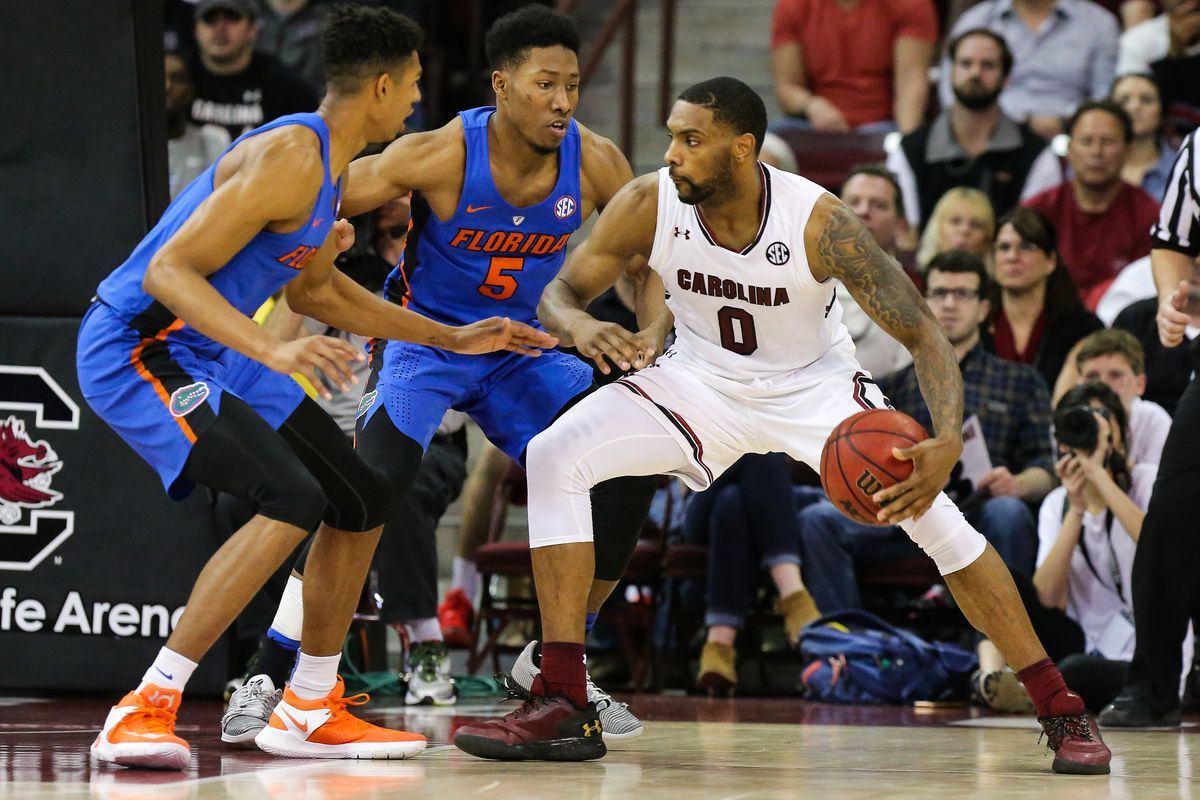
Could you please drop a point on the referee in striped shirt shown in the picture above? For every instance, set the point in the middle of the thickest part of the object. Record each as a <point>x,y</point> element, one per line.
<point>1166,592</point>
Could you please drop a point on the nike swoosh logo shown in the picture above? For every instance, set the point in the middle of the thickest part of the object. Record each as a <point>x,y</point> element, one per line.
<point>165,675</point>
<point>473,209</point>
<point>302,728</point>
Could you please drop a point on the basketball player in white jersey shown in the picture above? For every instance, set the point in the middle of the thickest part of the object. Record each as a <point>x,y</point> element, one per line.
<point>749,256</point>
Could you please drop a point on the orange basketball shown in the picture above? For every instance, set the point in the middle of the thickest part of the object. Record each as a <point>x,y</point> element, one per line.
<point>857,460</point>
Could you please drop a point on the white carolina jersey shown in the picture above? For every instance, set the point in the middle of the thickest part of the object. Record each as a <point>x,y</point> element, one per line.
<point>758,314</point>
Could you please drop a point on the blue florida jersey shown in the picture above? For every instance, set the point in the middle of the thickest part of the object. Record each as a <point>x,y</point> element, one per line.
<point>257,271</point>
<point>490,258</point>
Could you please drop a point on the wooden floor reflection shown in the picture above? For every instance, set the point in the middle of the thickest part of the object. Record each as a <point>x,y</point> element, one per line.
<point>692,748</point>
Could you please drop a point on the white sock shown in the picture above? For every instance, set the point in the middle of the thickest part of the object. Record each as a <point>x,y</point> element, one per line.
<point>464,575</point>
<point>289,617</point>
<point>169,670</point>
<point>424,630</point>
<point>315,676</point>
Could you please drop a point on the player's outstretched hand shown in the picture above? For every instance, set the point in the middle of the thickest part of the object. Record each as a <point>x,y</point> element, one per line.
<point>500,333</point>
<point>933,460</point>
<point>1172,319</point>
<point>311,353</point>
<point>596,340</point>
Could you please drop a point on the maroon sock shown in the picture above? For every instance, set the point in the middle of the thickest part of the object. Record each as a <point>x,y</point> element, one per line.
<point>563,672</point>
<point>1049,692</point>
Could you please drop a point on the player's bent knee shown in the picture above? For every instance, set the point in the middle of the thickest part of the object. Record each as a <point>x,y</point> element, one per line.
<point>377,501</point>
<point>295,499</point>
<point>946,536</point>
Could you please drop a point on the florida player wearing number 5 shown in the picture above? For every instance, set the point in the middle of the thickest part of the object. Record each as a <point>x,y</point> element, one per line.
<point>761,364</point>
<point>497,193</point>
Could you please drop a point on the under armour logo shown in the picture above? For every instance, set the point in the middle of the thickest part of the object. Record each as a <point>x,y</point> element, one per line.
<point>685,234</point>
<point>592,727</point>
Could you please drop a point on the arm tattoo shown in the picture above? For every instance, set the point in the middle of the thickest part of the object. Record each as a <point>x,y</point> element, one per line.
<point>882,290</point>
<point>851,255</point>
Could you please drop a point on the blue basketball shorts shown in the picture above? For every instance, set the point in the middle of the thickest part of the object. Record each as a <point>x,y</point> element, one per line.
<point>160,396</point>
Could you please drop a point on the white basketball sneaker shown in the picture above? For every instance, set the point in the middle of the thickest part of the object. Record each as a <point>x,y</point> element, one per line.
<point>324,728</point>
<point>250,709</point>
<point>429,681</point>
<point>618,721</point>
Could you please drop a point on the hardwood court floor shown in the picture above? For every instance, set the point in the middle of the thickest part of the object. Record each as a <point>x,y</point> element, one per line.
<point>692,748</point>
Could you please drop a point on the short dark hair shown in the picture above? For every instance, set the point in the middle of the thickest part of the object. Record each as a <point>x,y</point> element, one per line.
<point>733,104</point>
<point>1083,395</point>
<point>1006,56</point>
<point>361,42</point>
<point>1107,106</point>
<point>511,37</point>
<point>878,171</point>
<point>961,261</point>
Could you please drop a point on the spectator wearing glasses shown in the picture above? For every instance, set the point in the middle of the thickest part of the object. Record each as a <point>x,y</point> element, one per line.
<point>1039,316</point>
<point>1013,408</point>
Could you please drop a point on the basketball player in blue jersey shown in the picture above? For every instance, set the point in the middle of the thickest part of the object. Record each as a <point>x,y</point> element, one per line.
<point>169,358</point>
<point>497,193</point>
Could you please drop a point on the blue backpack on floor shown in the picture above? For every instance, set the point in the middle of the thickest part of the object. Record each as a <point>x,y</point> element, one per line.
<point>858,658</point>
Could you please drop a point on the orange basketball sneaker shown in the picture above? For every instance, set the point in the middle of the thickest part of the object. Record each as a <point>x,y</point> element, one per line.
<point>140,731</point>
<point>326,729</point>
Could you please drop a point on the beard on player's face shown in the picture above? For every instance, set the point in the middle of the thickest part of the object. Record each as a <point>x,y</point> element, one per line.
<point>694,192</point>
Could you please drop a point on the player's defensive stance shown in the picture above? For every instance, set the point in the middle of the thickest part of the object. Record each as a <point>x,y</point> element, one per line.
<point>761,364</point>
<point>169,357</point>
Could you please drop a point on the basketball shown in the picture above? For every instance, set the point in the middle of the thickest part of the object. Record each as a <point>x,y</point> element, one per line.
<point>857,459</point>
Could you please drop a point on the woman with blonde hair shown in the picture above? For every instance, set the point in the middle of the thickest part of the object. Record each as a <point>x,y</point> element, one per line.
<point>962,220</point>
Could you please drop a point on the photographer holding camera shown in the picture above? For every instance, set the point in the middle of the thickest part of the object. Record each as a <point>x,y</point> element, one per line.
<point>1088,530</point>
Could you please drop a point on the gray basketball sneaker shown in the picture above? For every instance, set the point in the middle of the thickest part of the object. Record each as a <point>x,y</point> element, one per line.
<point>250,709</point>
<point>429,681</point>
<point>618,721</point>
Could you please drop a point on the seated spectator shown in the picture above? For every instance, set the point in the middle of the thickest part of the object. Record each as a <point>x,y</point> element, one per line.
<point>1168,369</point>
<point>748,521</point>
<point>236,87</point>
<point>1103,222</point>
<point>851,65</point>
<point>190,148</point>
<point>1176,28</point>
<point>1065,52</point>
<point>1151,156</point>
<point>961,220</point>
<point>1013,408</point>
<point>1039,317</point>
<point>872,193</point>
<point>290,30</point>
<point>1115,358</point>
<point>1088,530</point>
<point>972,142</point>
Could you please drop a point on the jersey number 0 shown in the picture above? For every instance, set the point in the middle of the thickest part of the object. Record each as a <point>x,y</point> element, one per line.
<point>742,341</point>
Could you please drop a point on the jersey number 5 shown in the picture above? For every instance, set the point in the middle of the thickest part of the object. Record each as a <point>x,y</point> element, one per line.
<point>747,342</point>
<point>499,285</point>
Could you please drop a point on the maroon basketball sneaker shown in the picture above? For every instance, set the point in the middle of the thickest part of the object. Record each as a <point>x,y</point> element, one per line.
<point>542,729</point>
<point>1078,748</point>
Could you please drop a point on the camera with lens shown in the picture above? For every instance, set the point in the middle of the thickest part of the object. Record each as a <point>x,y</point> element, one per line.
<point>1076,428</point>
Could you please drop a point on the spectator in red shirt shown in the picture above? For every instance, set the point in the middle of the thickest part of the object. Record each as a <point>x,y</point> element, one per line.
<point>1103,222</point>
<point>848,64</point>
